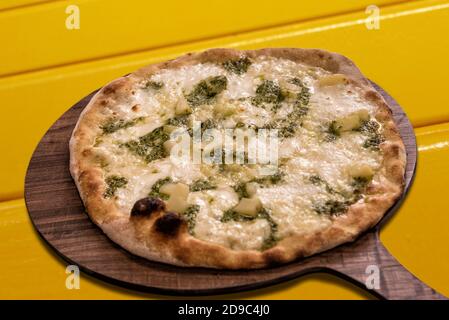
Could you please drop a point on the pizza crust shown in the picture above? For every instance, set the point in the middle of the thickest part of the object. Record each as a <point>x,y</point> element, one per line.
<point>141,236</point>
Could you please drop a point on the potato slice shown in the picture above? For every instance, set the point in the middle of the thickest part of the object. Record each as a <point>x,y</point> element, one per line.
<point>361,170</point>
<point>249,206</point>
<point>332,80</point>
<point>353,120</point>
<point>178,193</point>
<point>182,107</point>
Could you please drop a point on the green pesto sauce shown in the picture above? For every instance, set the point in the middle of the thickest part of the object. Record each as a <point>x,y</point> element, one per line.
<point>270,179</point>
<point>190,217</point>
<point>113,183</point>
<point>340,202</point>
<point>333,131</point>
<point>179,121</point>
<point>206,90</point>
<point>271,240</point>
<point>240,189</point>
<point>155,85</point>
<point>155,189</point>
<point>112,125</point>
<point>200,185</point>
<point>150,146</point>
<point>317,180</point>
<point>373,141</point>
<point>264,181</point>
<point>360,183</point>
<point>287,126</point>
<point>371,129</point>
<point>237,66</point>
<point>303,97</point>
<point>331,207</point>
<point>268,92</point>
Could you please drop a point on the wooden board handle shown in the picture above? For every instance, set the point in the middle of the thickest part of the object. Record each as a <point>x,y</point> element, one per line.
<point>393,282</point>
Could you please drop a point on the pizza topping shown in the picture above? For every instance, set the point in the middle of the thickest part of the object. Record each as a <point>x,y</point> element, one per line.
<point>190,217</point>
<point>268,242</point>
<point>248,206</point>
<point>373,142</point>
<point>362,170</point>
<point>268,92</point>
<point>206,90</point>
<point>333,131</point>
<point>241,190</point>
<point>317,180</point>
<point>359,183</point>
<point>270,179</point>
<point>113,183</point>
<point>178,193</point>
<point>146,206</point>
<point>356,121</point>
<point>353,121</point>
<point>155,85</point>
<point>368,127</point>
<point>272,238</point>
<point>332,79</point>
<point>150,146</point>
<point>155,189</point>
<point>331,207</point>
<point>237,66</point>
<point>303,97</point>
<point>169,223</point>
<point>200,185</point>
<point>112,125</point>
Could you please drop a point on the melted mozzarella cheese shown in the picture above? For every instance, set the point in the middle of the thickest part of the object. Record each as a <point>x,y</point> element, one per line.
<point>291,201</point>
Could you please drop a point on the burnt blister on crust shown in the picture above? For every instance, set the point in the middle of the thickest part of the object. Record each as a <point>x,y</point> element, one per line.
<point>169,223</point>
<point>146,206</point>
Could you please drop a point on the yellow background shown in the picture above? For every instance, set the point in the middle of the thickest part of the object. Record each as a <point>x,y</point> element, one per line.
<point>45,68</point>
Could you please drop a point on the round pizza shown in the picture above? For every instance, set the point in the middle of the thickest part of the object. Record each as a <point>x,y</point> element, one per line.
<point>238,159</point>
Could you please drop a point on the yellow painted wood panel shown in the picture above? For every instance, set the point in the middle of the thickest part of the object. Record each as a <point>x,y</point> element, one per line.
<point>31,270</point>
<point>10,4</point>
<point>417,235</point>
<point>37,36</point>
<point>404,56</point>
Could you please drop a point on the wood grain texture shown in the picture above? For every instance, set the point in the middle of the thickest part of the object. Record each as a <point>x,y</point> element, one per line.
<point>58,215</point>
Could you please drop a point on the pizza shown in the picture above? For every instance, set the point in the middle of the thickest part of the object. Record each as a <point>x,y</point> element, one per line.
<point>238,159</point>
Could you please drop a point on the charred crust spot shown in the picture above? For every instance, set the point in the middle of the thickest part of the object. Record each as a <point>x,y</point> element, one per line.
<point>372,95</point>
<point>135,107</point>
<point>109,89</point>
<point>273,257</point>
<point>169,223</point>
<point>320,55</point>
<point>86,152</point>
<point>393,151</point>
<point>146,206</point>
<point>103,102</point>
